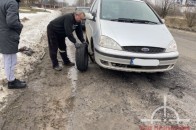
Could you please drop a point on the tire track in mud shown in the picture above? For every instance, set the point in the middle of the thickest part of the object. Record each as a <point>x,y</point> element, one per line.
<point>177,85</point>
<point>139,90</point>
<point>136,91</point>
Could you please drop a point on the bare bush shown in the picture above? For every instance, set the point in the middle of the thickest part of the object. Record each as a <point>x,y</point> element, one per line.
<point>166,6</point>
<point>29,2</point>
<point>81,2</point>
<point>176,11</point>
<point>42,3</point>
<point>190,15</point>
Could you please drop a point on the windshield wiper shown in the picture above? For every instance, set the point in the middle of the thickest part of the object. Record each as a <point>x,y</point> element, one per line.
<point>134,21</point>
<point>122,20</point>
<point>146,21</point>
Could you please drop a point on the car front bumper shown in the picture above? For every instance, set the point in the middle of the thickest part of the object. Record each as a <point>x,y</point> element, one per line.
<point>122,60</point>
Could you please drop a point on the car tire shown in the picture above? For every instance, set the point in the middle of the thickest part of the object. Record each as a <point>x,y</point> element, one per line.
<point>81,57</point>
<point>91,55</point>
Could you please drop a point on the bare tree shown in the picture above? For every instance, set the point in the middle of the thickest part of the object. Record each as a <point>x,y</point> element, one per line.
<point>52,3</point>
<point>81,2</point>
<point>86,3</point>
<point>164,6</point>
<point>29,2</point>
<point>190,16</point>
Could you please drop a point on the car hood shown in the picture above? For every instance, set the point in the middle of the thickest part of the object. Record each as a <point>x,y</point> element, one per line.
<point>136,34</point>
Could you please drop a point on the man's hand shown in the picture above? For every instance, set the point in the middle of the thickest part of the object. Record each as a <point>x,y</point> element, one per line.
<point>77,45</point>
<point>84,42</point>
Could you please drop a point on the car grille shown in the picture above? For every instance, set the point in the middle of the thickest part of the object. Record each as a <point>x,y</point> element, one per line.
<point>143,49</point>
<point>140,67</point>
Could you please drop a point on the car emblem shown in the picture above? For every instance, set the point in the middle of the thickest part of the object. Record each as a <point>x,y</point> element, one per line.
<point>145,49</point>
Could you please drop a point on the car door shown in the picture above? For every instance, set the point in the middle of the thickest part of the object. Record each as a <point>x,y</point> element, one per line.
<point>91,25</point>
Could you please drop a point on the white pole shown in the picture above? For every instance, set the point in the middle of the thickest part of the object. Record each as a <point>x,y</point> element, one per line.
<point>84,3</point>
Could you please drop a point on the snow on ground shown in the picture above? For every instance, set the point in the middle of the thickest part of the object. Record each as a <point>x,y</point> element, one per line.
<point>31,36</point>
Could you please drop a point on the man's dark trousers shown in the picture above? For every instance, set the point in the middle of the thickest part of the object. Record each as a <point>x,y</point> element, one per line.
<point>56,42</point>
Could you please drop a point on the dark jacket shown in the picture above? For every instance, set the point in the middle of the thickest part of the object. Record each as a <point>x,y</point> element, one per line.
<point>65,25</point>
<point>10,26</point>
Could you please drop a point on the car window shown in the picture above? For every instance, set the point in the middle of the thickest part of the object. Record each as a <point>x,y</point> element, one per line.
<point>129,9</point>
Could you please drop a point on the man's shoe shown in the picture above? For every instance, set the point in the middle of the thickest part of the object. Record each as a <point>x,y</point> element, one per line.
<point>69,64</point>
<point>58,68</point>
<point>16,84</point>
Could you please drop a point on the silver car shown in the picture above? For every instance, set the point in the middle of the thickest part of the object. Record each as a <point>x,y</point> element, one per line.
<point>128,35</point>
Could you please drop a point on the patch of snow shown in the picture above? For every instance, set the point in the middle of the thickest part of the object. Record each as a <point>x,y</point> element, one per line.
<point>27,10</point>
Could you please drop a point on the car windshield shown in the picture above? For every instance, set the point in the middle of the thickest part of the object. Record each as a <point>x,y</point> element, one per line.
<point>127,11</point>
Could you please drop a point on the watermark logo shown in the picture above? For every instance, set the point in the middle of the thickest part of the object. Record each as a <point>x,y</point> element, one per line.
<point>164,118</point>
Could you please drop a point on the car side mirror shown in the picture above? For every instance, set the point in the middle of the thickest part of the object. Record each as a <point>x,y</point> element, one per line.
<point>163,20</point>
<point>90,16</point>
<point>94,14</point>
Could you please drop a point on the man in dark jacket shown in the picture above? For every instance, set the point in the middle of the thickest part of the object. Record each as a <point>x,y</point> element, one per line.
<point>60,28</point>
<point>10,29</point>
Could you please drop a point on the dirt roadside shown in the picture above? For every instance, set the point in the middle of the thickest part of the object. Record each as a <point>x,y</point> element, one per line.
<point>45,104</point>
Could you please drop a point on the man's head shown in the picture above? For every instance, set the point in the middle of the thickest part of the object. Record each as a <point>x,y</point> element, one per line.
<point>79,16</point>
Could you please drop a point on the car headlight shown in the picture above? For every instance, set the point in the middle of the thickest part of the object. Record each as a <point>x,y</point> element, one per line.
<point>172,46</point>
<point>109,43</point>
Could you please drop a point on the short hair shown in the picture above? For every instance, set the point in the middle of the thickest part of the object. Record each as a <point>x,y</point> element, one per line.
<point>79,12</point>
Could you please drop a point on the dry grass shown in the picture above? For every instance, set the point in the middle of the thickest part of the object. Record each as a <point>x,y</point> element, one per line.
<point>179,23</point>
